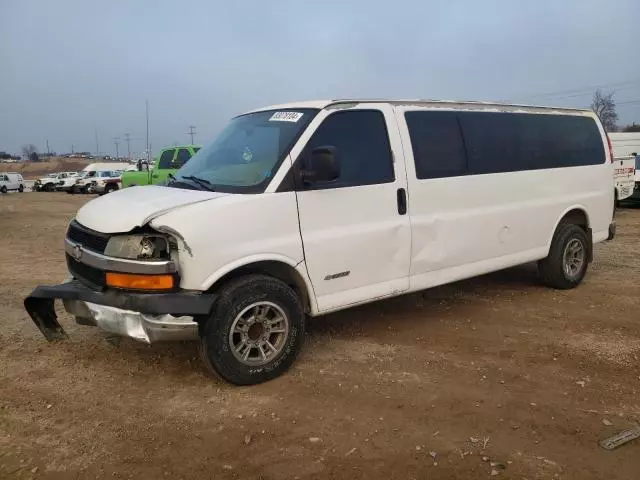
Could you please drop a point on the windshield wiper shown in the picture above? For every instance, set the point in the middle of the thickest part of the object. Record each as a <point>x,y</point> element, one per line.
<point>204,183</point>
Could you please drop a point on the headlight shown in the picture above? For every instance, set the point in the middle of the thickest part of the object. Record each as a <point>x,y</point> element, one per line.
<point>138,247</point>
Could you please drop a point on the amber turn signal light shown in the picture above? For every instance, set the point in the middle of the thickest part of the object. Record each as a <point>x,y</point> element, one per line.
<point>139,282</point>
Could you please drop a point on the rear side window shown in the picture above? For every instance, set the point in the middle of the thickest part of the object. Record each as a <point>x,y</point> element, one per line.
<point>508,142</point>
<point>361,139</point>
<point>488,142</point>
<point>183,157</point>
<point>438,148</point>
<point>166,159</point>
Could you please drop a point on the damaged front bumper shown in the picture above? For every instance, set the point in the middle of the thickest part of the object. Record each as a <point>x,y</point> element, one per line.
<point>147,317</point>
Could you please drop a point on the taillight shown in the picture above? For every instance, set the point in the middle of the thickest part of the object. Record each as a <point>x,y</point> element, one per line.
<point>610,148</point>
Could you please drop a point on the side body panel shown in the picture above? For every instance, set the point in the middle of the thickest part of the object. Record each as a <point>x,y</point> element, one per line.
<point>469,225</point>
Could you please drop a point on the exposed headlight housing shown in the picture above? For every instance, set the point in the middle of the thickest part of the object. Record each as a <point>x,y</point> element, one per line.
<point>150,246</point>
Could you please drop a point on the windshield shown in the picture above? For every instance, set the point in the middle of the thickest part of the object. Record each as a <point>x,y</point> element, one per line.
<point>247,153</point>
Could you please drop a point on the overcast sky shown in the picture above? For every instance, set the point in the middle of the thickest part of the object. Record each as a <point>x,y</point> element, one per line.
<point>68,67</point>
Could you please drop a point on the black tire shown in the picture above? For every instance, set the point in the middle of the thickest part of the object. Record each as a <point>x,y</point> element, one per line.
<point>48,187</point>
<point>70,191</point>
<point>215,344</point>
<point>3,189</point>
<point>21,188</point>
<point>552,269</point>
<point>110,188</point>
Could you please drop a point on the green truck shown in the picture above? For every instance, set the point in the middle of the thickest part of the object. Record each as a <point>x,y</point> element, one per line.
<point>167,162</point>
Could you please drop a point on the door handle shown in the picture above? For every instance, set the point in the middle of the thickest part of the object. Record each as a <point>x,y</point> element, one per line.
<point>402,201</point>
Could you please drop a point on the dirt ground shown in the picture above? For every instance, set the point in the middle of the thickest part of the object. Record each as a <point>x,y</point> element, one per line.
<point>493,375</point>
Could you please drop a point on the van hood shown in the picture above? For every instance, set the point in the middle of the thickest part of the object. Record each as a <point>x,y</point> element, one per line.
<point>132,207</point>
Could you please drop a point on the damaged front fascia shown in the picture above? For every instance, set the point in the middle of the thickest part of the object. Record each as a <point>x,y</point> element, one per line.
<point>172,232</point>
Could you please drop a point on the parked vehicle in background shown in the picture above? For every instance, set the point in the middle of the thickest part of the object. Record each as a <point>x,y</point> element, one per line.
<point>167,162</point>
<point>52,181</point>
<point>105,182</point>
<point>90,173</point>
<point>66,183</point>
<point>624,172</point>
<point>11,181</point>
<point>636,191</point>
<point>313,207</point>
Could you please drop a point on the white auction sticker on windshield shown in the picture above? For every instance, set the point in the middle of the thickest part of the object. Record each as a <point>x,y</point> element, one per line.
<point>286,117</point>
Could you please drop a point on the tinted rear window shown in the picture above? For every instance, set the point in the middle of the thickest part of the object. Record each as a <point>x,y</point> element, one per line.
<point>501,142</point>
<point>438,148</point>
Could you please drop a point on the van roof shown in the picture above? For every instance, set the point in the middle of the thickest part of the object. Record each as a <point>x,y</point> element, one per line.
<point>463,104</point>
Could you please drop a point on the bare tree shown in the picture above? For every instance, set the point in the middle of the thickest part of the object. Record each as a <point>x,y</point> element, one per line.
<point>28,151</point>
<point>605,107</point>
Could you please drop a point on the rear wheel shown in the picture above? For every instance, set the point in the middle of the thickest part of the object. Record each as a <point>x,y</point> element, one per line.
<point>255,331</point>
<point>48,187</point>
<point>3,189</point>
<point>568,259</point>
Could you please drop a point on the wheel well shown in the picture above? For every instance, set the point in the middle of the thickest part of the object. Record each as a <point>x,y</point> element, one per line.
<point>279,270</point>
<point>576,217</point>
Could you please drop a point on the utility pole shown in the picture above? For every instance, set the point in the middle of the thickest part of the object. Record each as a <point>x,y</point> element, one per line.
<point>97,146</point>
<point>127,139</point>
<point>192,132</point>
<point>116,142</point>
<point>72,149</point>
<point>48,151</point>
<point>146,105</point>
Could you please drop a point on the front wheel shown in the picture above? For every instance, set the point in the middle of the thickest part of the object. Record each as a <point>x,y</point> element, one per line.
<point>110,188</point>
<point>21,188</point>
<point>3,189</point>
<point>568,259</point>
<point>255,331</point>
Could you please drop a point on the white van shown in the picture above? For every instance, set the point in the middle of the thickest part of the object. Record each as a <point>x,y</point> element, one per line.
<point>11,181</point>
<point>308,208</point>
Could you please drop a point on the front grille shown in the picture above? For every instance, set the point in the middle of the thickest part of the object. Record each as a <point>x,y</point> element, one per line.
<point>90,276</point>
<point>88,238</point>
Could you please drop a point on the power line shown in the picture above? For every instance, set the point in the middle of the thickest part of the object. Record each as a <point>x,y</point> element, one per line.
<point>628,101</point>
<point>192,132</point>
<point>582,89</point>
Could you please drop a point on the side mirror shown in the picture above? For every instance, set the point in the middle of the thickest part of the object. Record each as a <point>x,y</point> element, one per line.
<point>323,165</point>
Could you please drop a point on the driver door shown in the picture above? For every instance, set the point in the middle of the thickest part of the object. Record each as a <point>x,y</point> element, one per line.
<point>355,229</point>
